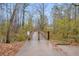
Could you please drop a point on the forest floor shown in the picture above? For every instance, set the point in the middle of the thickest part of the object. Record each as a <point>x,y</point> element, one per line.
<point>35,47</point>
<point>10,49</point>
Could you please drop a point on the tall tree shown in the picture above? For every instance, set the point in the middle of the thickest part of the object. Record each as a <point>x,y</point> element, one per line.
<point>11,21</point>
<point>23,11</point>
<point>41,13</point>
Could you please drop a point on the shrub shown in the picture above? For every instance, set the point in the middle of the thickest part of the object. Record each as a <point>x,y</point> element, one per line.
<point>21,35</point>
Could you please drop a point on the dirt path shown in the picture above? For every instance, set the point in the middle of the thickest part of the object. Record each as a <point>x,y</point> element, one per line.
<point>36,47</point>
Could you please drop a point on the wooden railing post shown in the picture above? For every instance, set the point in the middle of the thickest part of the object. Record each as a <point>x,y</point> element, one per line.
<point>48,35</point>
<point>38,35</point>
